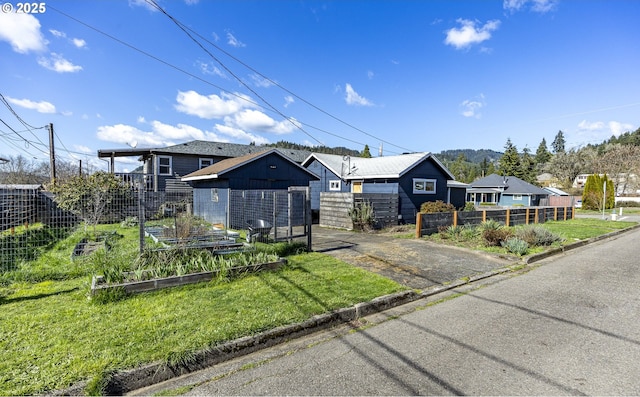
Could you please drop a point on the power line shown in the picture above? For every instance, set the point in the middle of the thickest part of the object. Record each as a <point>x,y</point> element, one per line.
<point>196,77</point>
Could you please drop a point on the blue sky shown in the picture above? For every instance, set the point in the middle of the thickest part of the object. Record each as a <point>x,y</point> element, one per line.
<point>404,75</point>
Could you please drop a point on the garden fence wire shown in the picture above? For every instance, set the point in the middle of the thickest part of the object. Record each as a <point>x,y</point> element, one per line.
<point>33,220</point>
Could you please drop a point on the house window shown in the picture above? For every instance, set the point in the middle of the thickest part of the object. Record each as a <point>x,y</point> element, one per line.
<point>517,197</point>
<point>214,195</point>
<point>205,163</point>
<point>335,185</point>
<point>164,165</point>
<point>424,186</point>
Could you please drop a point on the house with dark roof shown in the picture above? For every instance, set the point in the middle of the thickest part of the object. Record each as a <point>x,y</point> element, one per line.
<point>415,177</point>
<point>163,167</point>
<point>253,174</point>
<point>505,191</point>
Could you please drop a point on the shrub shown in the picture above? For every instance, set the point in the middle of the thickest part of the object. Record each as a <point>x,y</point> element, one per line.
<point>495,237</point>
<point>362,215</point>
<point>537,235</point>
<point>623,204</point>
<point>469,206</point>
<point>453,231</point>
<point>469,232</point>
<point>429,207</point>
<point>490,225</point>
<point>516,246</point>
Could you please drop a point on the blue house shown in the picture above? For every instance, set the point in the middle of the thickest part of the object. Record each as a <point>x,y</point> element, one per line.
<point>252,174</point>
<point>415,177</point>
<point>505,191</point>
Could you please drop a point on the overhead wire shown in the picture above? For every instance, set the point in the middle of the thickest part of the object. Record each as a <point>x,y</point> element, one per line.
<point>196,77</point>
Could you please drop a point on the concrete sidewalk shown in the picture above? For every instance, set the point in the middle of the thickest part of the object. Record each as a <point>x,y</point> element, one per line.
<point>416,263</point>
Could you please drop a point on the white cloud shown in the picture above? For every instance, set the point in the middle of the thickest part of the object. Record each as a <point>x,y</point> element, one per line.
<point>540,6</point>
<point>121,133</point>
<point>370,74</point>
<point>161,134</point>
<point>260,81</point>
<point>142,3</point>
<point>59,64</point>
<point>255,120</point>
<point>471,108</point>
<point>141,119</point>
<point>599,131</point>
<point>80,43</point>
<point>233,41</point>
<point>238,134</point>
<point>353,98</point>
<point>212,106</point>
<point>82,149</point>
<point>618,128</point>
<point>468,34</point>
<point>40,107</point>
<point>22,31</point>
<point>288,100</point>
<point>57,33</point>
<point>210,69</point>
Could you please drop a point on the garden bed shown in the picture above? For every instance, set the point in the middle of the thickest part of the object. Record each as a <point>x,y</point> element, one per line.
<point>99,283</point>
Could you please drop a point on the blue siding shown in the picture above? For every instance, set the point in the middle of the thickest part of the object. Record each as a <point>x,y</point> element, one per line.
<point>410,202</point>
<point>322,185</point>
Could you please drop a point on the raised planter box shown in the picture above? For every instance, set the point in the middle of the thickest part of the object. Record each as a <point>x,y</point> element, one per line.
<point>99,284</point>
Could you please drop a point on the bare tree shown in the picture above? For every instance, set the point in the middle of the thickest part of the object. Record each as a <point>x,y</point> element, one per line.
<point>621,163</point>
<point>566,166</point>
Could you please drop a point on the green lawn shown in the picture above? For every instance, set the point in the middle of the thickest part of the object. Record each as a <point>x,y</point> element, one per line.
<point>584,228</point>
<point>53,336</point>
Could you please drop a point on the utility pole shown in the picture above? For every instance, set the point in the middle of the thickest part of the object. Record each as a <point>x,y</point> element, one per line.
<point>52,155</point>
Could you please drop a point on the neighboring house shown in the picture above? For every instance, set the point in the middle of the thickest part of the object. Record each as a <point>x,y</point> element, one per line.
<point>547,180</point>
<point>505,191</point>
<point>163,167</point>
<point>415,177</point>
<point>267,170</point>
<point>580,180</point>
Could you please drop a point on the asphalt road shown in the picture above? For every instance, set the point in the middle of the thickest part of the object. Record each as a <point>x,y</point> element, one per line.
<point>569,326</point>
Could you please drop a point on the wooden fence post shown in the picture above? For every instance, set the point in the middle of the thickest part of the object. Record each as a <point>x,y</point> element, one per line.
<point>536,215</point>
<point>555,213</point>
<point>455,218</point>
<point>526,221</point>
<point>508,216</point>
<point>484,215</point>
<point>419,225</point>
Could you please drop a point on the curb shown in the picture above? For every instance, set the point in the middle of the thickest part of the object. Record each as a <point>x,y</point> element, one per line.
<point>122,382</point>
<point>543,255</point>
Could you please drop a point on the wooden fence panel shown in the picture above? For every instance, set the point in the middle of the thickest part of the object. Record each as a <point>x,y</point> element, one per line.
<point>429,223</point>
<point>334,208</point>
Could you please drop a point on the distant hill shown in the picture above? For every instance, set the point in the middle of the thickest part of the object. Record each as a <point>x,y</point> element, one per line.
<point>475,156</point>
<point>317,149</point>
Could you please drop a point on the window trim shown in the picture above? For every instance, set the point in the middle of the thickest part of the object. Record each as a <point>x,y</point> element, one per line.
<point>517,197</point>
<point>201,159</point>
<point>335,185</point>
<point>426,182</point>
<point>159,158</point>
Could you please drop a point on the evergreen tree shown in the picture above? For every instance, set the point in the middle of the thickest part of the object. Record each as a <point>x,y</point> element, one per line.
<point>542,154</point>
<point>558,143</point>
<point>510,164</point>
<point>365,152</point>
<point>528,164</point>
<point>593,194</point>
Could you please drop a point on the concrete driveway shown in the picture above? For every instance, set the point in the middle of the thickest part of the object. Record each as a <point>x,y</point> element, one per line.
<point>412,262</point>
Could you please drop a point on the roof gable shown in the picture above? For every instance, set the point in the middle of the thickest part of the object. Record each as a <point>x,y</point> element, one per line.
<point>509,184</point>
<point>376,167</point>
<point>220,168</point>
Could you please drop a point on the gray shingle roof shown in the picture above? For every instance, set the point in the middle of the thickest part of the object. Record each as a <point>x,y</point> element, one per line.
<point>225,149</point>
<point>205,148</point>
<point>511,185</point>
<point>376,167</point>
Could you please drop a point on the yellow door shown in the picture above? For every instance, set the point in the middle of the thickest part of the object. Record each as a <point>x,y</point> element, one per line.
<point>356,187</point>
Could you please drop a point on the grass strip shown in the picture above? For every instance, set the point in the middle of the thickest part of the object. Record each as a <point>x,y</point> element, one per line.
<point>53,336</point>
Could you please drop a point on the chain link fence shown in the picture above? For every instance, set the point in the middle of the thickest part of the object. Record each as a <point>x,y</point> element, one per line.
<point>33,221</point>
